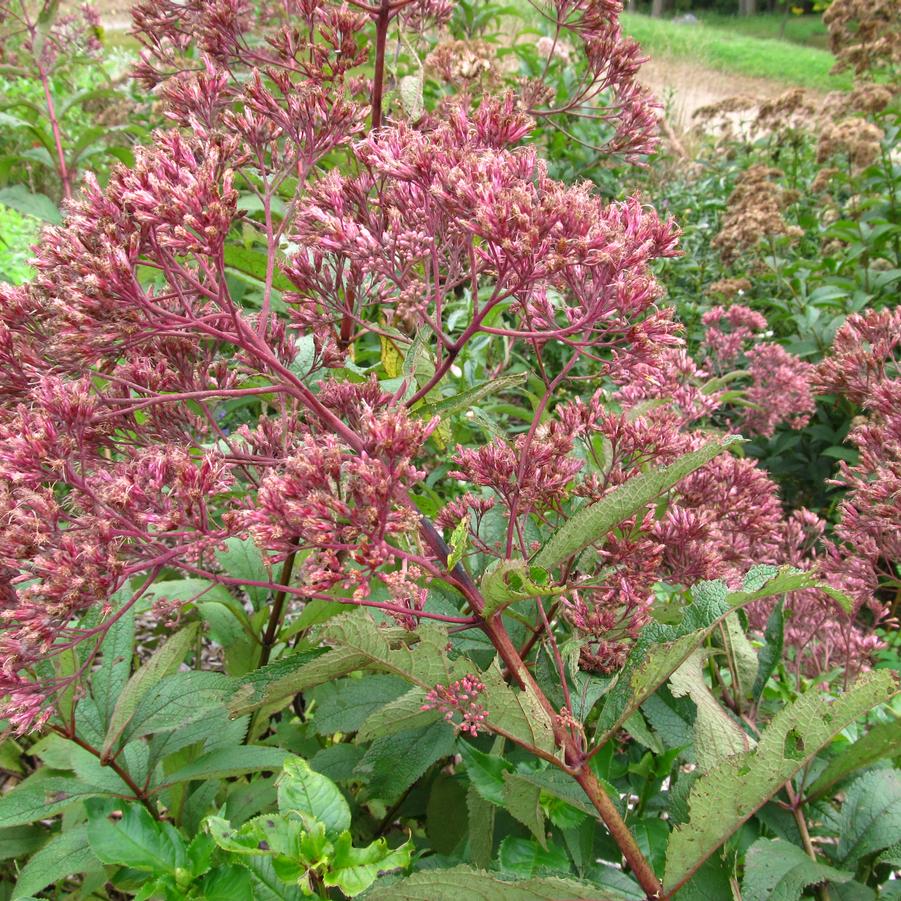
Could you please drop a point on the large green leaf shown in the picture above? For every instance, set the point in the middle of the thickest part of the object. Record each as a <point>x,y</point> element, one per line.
<point>19,198</point>
<point>871,816</point>
<point>721,800</point>
<point>66,854</point>
<point>776,870</point>
<point>478,885</point>
<point>165,660</point>
<point>20,841</point>
<point>345,704</point>
<point>466,400</point>
<point>393,763</point>
<point>111,676</point>
<point>241,558</point>
<point>405,712</point>
<point>517,712</point>
<point>303,789</point>
<point>137,841</point>
<point>41,796</point>
<point>225,762</point>
<point>592,523</point>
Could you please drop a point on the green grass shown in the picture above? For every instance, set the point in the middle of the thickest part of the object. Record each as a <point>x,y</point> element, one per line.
<point>725,50</point>
<point>17,234</point>
<point>808,31</point>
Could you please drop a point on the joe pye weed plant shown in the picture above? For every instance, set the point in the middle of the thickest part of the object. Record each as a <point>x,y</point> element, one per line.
<point>394,433</point>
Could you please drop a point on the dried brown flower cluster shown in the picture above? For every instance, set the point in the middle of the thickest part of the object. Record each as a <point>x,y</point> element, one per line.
<point>464,62</point>
<point>864,35</point>
<point>792,110</point>
<point>729,287</point>
<point>754,211</point>
<point>855,138</point>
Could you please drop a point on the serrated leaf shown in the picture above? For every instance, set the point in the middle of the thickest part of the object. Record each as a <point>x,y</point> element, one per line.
<point>592,523</point>
<point>776,870</point>
<point>479,885</point>
<point>112,675</point>
<point>225,762</point>
<point>41,796</point>
<point>721,800</point>
<point>394,762</point>
<point>303,789</point>
<point>522,800</point>
<point>251,264</point>
<point>250,690</point>
<point>404,712</point>
<point>771,653</point>
<point>742,656</point>
<point>517,712</point>
<point>166,659</point>
<point>344,705</point>
<point>136,841</point>
<point>716,734</point>
<point>871,816</point>
<point>66,854</point>
<point>882,740</point>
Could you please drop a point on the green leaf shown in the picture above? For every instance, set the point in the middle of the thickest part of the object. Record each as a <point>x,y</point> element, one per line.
<point>771,653</point>
<point>251,689</point>
<point>716,734</point>
<point>721,800</point>
<point>241,558</point>
<point>517,712</point>
<point>478,885</point>
<point>19,198</point>
<point>226,762</point>
<point>403,713</point>
<point>111,676</point>
<point>66,854</point>
<point>20,841</point>
<point>506,581</point>
<point>345,704</point>
<point>301,788</point>
<point>353,870</point>
<point>458,543</point>
<point>165,660</point>
<point>394,762</point>
<point>882,740</point>
<point>522,800</point>
<point>871,816</point>
<point>742,656</point>
<point>41,796</point>
<point>486,771</point>
<point>466,400</point>
<point>228,883</point>
<point>776,870</point>
<point>522,857</point>
<point>136,841</point>
<point>592,523</point>
<point>252,264</point>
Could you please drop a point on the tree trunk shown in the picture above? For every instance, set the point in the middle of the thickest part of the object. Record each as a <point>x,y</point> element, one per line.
<point>659,7</point>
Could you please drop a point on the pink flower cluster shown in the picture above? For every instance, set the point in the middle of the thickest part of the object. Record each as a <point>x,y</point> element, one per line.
<point>459,698</point>
<point>780,390</point>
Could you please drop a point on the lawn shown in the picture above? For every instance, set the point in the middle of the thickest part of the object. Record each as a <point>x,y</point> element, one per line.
<point>723,48</point>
